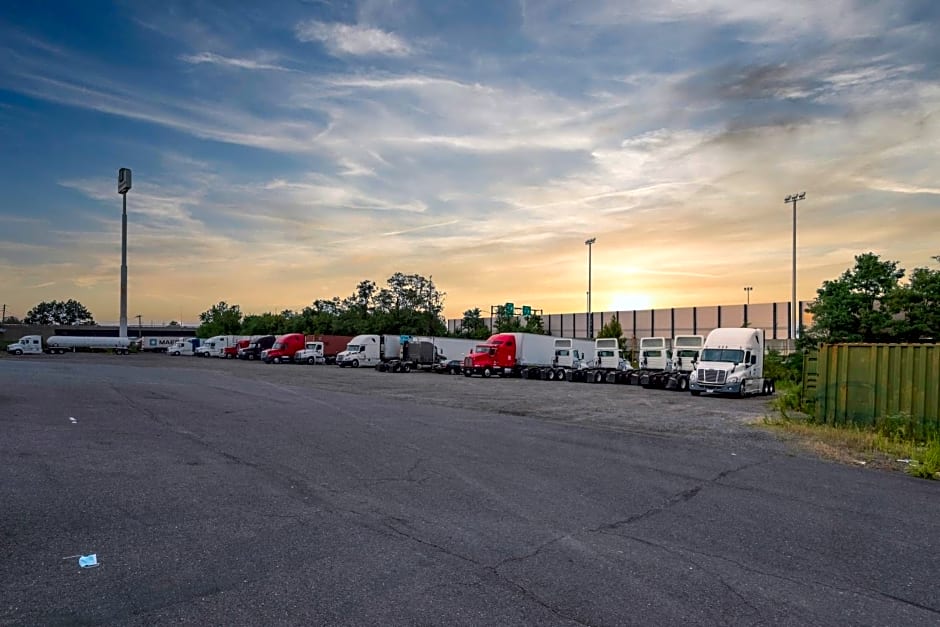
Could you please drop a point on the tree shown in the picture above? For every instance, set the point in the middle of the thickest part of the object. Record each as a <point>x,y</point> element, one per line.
<point>221,319</point>
<point>855,307</point>
<point>473,326</point>
<point>11,320</point>
<point>611,329</point>
<point>70,312</point>
<point>916,306</point>
<point>260,324</point>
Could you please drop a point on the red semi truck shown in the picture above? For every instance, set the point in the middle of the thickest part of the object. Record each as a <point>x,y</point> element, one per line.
<point>284,348</point>
<point>512,354</point>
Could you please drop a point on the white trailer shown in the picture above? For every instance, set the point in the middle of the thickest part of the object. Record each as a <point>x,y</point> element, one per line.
<point>732,363</point>
<point>157,344</point>
<point>60,344</point>
<point>452,348</point>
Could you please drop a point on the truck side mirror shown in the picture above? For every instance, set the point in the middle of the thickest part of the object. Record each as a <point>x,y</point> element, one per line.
<point>753,360</point>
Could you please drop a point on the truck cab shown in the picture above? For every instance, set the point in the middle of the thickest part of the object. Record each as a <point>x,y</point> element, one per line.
<point>256,346</point>
<point>732,362</point>
<point>491,357</point>
<point>284,348</point>
<point>185,346</point>
<point>311,354</point>
<point>27,345</point>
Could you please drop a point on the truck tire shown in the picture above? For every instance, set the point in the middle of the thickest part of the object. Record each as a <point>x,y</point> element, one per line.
<point>406,367</point>
<point>17,352</point>
<point>176,353</point>
<point>598,377</point>
<point>251,356</point>
<point>487,373</point>
<point>742,393</point>
<point>355,363</point>
<point>311,361</point>
<point>467,373</point>
<point>682,384</point>
<point>561,375</point>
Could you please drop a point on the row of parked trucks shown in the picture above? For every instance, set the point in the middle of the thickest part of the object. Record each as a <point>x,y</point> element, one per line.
<point>727,361</point>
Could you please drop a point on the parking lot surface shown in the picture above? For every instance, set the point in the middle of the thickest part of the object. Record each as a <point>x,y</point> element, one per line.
<point>242,494</point>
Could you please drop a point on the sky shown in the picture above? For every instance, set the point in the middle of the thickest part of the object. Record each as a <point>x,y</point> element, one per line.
<point>284,151</point>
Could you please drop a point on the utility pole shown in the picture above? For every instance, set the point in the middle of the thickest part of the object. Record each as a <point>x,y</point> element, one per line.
<point>124,186</point>
<point>140,329</point>
<point>795,305</point>
<point>3,318</point>
<point>747,305</point>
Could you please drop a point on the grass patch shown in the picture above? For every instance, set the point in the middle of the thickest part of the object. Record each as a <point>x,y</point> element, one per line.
<point>897,442</point>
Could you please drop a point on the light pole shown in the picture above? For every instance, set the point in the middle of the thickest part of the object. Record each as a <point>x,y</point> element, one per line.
<point>747,305</point>
<point>124,186</point>
<point>140,328</point>
<point>795,306</point>
<point>590,321</point>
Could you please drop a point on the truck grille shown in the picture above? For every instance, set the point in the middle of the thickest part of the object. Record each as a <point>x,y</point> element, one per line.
<point>711,375</point>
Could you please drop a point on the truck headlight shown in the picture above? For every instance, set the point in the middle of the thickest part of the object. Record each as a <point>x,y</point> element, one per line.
<point>693,376</point>
<point>733,379</point>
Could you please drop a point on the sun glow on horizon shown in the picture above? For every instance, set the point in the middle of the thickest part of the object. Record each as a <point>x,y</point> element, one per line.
<point>630,301</point>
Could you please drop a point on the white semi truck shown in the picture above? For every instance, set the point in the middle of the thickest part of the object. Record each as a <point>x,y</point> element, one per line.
<point>215,346</point>
<point>185,346</point>
<point>311,354</point>
<point>60,344</point>
<point>570,357</point>
<point>684,354</point>
<point>732,363</point>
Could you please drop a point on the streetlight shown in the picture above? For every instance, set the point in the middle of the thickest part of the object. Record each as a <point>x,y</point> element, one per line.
<point>590,322</point>
<point>124,186</point>
<point>747,290</point>
<point>140,328</point>
<point>794,198</point>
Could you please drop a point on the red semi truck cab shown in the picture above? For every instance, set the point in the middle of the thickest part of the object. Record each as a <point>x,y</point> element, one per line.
<point>491,357</point>
<point>284,348</point>
<point>231,352</point>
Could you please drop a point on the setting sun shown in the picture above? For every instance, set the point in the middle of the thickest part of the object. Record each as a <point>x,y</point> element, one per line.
<point>630,302</point>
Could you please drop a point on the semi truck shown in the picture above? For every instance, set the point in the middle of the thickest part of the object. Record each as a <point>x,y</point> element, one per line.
<point>61,344</point>
<point>256,345</point>
<point>311,353</point>
<point>511,354</point>
<point>682,359</point>
<point>608,365</point>
<point>155,344</point>
<point>284,348</point>
<point>570,357</point>
<point>215,346</point>
<point>732,363</point>
<point>332,345</point>
<point>185,346</point>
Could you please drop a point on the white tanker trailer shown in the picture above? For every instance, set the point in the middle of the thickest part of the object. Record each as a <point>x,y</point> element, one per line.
<point>59,344</point>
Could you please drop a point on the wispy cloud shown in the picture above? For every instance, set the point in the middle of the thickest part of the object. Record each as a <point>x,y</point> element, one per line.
<point>353,39</point>
<point>211,58</point>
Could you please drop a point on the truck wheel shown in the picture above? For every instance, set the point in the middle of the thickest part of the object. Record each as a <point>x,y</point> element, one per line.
<point>561,375</point>
<point>683,384</point>
<point>598,377</point>
<point>742,393</point>
<point>17,352</point>
<point>311,360</point>
<point>406,368</point>
<point>467,373</point>
<point>487,373</point>
<point>355,363</point>
<point>176,353</point>
<point>772,388</point>
<point>251,357</point>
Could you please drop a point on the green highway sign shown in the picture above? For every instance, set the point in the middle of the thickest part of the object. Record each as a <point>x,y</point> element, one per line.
<point>526,311</point>
<point>509,309</point>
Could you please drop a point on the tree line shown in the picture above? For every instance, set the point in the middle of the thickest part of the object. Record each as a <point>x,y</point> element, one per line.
<point>874,301</point>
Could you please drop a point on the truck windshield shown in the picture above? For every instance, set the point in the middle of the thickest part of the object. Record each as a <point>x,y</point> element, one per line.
<point>688,353</point>
<point>605,353</point>
<point>729,355</point>
<point>352,348</point>
<point>278,345</point>
<point>482,350</point>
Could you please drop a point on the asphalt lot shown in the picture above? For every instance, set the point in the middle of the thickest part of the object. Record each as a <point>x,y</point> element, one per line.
<point>244,494</point>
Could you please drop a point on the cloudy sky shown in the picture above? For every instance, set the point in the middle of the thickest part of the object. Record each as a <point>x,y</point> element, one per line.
<point>283,151</point>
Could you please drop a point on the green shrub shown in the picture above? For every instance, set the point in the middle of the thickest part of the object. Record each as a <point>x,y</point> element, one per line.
<point>788,398</point>
<point>928,467</point>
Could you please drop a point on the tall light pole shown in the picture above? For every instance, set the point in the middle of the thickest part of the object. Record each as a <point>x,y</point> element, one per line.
<point>747,305</point>
<point>795,306</point>
<point>124,186</point>
<point>590,321</point>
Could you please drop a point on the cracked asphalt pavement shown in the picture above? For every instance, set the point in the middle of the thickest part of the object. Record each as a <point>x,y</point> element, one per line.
<point>240,494</point>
